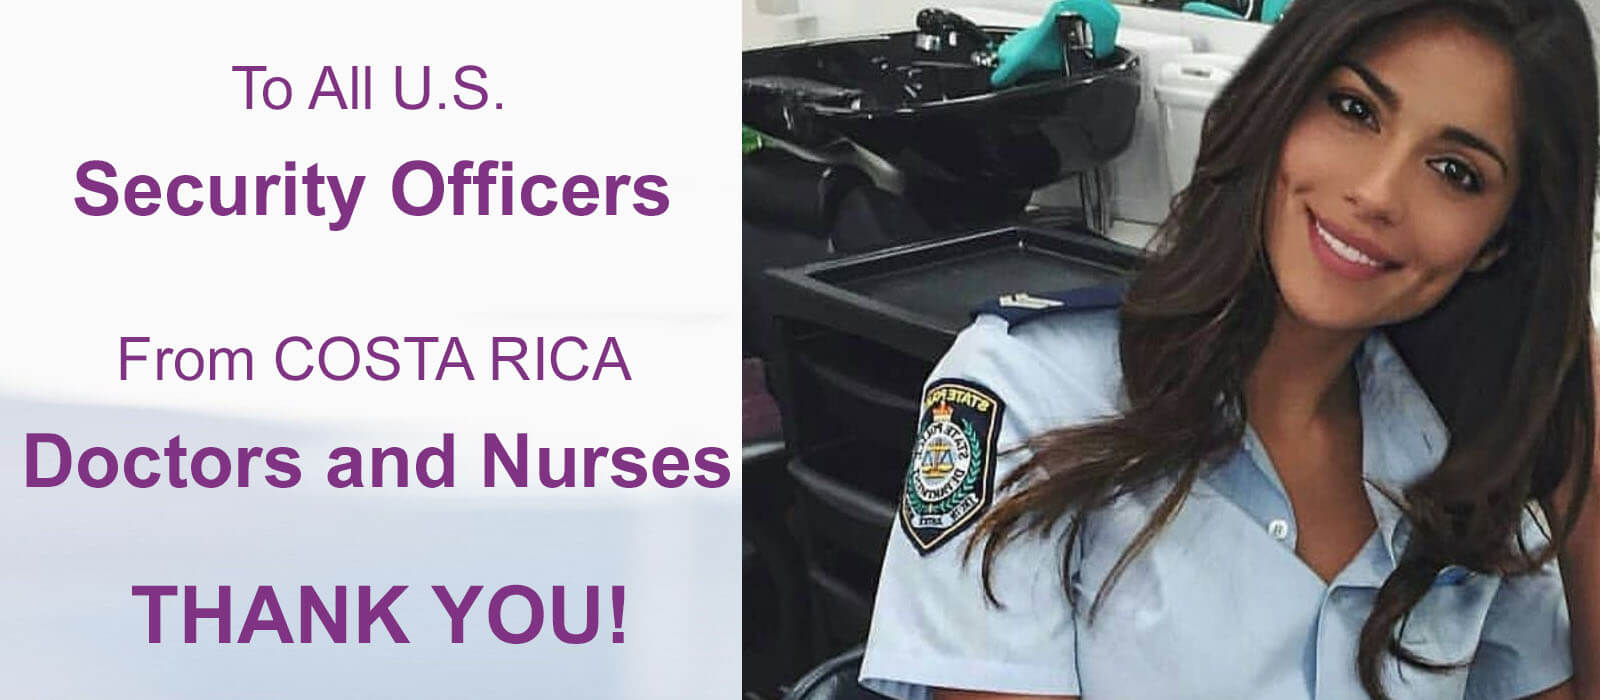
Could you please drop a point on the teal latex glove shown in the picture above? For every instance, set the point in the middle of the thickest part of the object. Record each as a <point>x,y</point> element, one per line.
<point>1272,10</point>
<point>1210,10</point>
<point>1038,50</point>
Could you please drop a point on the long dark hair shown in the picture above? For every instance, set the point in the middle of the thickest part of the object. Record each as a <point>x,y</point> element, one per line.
<point>1504,357</point>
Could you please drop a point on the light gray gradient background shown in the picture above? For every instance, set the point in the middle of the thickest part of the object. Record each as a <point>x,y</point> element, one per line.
<point>588,88</point>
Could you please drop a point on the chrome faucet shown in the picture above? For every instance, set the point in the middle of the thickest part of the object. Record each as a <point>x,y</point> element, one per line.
<point>1077,42</point>
<point>940,29</point>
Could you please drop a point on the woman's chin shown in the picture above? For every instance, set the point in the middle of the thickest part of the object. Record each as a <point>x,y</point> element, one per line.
<point>1330,313</point>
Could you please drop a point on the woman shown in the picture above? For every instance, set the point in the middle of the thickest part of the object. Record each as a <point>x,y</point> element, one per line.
<point>1233,486</point>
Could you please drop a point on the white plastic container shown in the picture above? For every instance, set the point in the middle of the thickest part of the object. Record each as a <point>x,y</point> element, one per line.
<point>1140,191</point>
<point>1185,88</point>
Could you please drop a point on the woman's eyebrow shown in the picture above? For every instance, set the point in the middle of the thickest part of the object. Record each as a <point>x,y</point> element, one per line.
<point>1392,100</point>
<point>1470,140</point>
<point>1378,87</point>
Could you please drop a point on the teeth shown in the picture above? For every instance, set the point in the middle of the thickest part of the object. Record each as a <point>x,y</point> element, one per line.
<point>1345,250</point>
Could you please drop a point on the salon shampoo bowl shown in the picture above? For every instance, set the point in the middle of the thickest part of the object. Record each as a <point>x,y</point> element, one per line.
<point>933,116</point>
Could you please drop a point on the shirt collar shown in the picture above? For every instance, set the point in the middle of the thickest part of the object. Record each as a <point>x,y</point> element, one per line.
<point>1403,438</point>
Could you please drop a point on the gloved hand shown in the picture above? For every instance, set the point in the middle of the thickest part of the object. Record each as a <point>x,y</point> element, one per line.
<point>1037,49</point>
<point>1212,10</point>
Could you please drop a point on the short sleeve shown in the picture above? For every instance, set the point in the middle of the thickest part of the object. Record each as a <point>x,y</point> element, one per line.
<point>932,625</point>
<point>1524,648</point>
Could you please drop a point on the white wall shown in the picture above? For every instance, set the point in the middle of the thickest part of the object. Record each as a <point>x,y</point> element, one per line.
<point>768,22</point>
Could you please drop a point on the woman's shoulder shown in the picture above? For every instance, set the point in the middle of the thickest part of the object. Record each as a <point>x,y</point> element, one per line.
<point>1005,379</point>
<point>1048,371</point>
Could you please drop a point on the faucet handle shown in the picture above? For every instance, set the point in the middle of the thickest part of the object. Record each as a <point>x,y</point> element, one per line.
<point>1077,42</point>
<point>1100,20</point>
<point>1072,34</point>
<point>938,28</point>
<point>930,31</point>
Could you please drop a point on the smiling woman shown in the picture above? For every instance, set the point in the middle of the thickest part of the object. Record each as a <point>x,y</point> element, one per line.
<point>1233,484</point>
<point>1392,181</point>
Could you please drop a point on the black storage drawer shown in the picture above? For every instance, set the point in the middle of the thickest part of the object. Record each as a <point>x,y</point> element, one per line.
<point>844,612</point>
<point>848,496</point>
<point>851,388</point>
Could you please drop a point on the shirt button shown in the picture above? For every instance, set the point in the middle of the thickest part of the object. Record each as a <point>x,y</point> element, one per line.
<point>1279,529</point>
<point>1452,575</point>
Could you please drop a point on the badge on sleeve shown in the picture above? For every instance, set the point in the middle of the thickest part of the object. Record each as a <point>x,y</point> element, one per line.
<point>951,479</point>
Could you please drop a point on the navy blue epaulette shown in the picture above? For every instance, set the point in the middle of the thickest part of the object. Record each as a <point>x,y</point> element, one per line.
<point>1023,307</point>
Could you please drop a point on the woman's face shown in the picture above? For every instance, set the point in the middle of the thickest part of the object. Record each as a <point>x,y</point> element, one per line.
<point>1394,177</point>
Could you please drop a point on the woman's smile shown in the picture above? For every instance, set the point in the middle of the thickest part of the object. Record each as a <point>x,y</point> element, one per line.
<point>1346,254</point>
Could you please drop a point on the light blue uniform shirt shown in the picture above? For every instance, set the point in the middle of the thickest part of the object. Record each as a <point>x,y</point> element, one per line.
<point>1218,605</point>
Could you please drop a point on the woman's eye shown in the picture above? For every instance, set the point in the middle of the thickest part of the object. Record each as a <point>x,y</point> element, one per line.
<point>1352,107</point>
<point>1458,174</point>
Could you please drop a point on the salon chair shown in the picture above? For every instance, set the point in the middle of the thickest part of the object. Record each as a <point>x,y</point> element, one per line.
<point>834,679</point>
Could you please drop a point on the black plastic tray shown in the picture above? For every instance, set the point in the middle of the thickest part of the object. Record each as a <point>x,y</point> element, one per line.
<point>915,298</point>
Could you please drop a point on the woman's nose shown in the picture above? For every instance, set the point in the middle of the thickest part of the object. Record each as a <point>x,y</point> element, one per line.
<point>1376,194</point>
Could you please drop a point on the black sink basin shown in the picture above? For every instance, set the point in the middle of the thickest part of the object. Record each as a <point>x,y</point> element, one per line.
<point>933,115</point>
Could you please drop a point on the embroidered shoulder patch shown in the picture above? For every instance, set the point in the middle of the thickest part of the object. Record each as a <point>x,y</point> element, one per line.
<point>951,479</point>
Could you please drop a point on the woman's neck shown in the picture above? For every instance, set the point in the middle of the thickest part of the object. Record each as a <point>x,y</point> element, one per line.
<point>1303,376</point>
